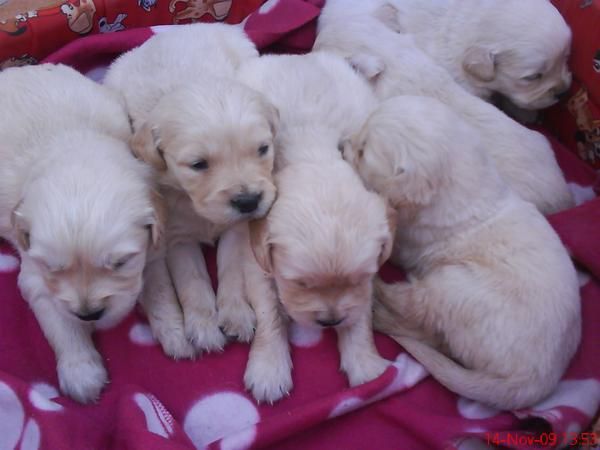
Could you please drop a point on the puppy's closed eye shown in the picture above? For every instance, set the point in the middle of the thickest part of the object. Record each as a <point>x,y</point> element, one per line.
<point>199,165</point>
<point>534,77</point>
<point>263,150</point>
<point>120,262</point>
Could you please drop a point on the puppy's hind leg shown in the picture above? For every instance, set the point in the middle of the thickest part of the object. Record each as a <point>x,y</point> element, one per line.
<point>81,374</point>
<point>194,290</point>
<point>236,317</point>
<point>360,360</point>
<point>159,301</point>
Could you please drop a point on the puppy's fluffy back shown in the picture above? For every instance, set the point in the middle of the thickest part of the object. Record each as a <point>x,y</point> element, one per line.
<point>175,57</point>
<point>320,99</point>
<point>39,102</point>
<point>327,220</point>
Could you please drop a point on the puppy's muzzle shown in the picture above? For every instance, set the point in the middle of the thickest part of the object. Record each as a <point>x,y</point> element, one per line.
<point>326,323</point>
<point>91,316</point>
<point>246,203</point>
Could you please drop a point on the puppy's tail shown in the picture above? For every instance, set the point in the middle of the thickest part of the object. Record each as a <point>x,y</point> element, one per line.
<point>506,393</point>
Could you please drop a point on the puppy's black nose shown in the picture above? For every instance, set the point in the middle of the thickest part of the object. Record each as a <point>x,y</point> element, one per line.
<point>562,95</point>
<point>329,322</point>
<point>96,315</point>
<point>246,203</point>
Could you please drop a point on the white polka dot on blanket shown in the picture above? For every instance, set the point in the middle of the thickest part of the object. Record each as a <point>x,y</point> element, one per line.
<point>12,417</point>
<point>31,436</point>
<point>581,194</point>
<point>141,333</point>
<point>228,416</point>
<point>583,395</point>
<point>158,419</point>
<point>267,6</point>
<point>40,396</point>
<point>305,337</point>
<point>471,409</point>
<point>8,263</point>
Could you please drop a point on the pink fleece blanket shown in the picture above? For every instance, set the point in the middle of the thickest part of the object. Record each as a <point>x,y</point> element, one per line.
<point>154,402</point>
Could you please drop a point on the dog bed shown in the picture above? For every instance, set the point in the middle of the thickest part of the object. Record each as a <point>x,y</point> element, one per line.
<point>153,402</point>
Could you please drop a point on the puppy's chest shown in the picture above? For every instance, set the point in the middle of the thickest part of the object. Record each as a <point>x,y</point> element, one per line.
<point>183,224</point>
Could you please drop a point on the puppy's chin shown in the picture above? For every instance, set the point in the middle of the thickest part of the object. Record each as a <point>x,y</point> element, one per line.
<point>118,307</point>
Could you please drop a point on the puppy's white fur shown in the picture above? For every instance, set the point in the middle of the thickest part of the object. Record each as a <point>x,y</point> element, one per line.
<point>515,48</point>
<point>396,66</point>
<point>326,235</point>
<point>188,109</point>
<point>490,283</point>
<point>77,205</point>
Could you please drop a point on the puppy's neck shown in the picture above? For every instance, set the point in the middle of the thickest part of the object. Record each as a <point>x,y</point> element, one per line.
<point>307,143</point>
<point>459,207</point>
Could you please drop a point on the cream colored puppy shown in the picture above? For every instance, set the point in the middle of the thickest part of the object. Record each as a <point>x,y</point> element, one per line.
<point>79,209</point>
<point>491,307</point>
<point>326,235</point>
<point>515,48</point>
<point>395,66</point>
<point>210,140</point>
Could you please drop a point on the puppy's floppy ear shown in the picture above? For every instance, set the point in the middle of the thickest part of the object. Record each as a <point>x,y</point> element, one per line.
<point>145,145</point>
<point>21,227</point>
<point>272,114</point>
<point>388,244</point>
<point>259,242</point>
<point>157,220</point>
<point>480,62</point>
<point>367,65</point>
<point>388,15</point>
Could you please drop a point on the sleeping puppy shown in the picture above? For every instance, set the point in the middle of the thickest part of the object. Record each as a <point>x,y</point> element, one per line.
<point>491,307</point>
<point>395,66</point>
<point>515,48</point>
<point>326,235</point>
<point>210,141</point>
<point>79,209</point>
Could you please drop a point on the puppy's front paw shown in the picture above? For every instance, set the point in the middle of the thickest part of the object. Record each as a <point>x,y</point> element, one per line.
<point>82,376</point>
<point>269,377</point>
<point>237,320</point>
<point>360,371</point>
<point>204,332</point>
<point>175,343</point>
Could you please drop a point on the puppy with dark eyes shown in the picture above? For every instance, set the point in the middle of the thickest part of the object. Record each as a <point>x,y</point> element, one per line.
<point>209,140</point>
<point>78,207</point>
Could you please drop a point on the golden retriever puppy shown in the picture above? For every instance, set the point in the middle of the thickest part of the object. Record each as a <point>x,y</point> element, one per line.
<point>210,141</point>
<point>326,235</point>
<point>491,306</point>
<point>515,48</point>
<point>79,209</point>
<point>395,66</point>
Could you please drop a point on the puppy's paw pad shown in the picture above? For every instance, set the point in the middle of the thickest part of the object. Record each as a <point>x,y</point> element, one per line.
<point>204,334</point>
<point>238,322</point>
<point>82,378</point>
<point>268,380</point>
<point>365,370</point>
